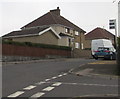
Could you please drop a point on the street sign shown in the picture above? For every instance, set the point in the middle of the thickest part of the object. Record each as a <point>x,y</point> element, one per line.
<point>112,24</point>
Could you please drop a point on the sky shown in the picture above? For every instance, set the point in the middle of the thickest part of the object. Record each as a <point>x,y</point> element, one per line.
<point>14,14</point>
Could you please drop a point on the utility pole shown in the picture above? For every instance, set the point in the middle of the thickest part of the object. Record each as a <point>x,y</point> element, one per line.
<point>119,18</point>
<point>118,47</point>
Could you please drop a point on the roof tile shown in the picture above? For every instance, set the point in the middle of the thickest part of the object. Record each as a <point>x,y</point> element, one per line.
<point>52,18</point>
<point>99,33</point>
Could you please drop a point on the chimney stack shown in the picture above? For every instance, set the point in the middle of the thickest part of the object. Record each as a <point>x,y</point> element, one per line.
<point>56,11</point>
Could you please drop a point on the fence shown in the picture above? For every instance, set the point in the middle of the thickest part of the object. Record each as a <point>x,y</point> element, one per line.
<point>27,51</point>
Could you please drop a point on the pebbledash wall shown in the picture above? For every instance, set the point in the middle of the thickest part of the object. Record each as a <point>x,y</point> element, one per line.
<point>21,53</point>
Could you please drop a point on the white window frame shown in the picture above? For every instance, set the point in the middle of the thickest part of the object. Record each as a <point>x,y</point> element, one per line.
<point>67,30</point>
<point>77,45</point>
<point>82,46</point>
<point>76,33</point>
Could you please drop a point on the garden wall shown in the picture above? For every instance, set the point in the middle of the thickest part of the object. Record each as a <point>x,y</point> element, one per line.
<point>18,52</point>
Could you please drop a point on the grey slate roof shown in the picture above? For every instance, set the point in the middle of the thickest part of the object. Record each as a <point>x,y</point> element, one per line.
<point>24,32</point>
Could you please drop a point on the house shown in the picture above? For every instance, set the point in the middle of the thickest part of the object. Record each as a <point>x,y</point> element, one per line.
<point>45,35</point>
<point>51,28</point>
<point>98,33</point>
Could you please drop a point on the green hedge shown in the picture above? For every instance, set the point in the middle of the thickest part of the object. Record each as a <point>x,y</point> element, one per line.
<point>36,45</point>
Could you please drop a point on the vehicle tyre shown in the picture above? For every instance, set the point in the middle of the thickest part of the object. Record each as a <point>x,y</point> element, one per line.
<point>96,58</point>
<point>111,57</point>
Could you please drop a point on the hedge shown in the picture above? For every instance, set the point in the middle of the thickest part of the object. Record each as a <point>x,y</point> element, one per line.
<point>36,45</point>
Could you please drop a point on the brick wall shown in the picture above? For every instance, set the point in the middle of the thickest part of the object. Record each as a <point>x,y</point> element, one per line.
<point>78,53</point>
<point>14,50</point>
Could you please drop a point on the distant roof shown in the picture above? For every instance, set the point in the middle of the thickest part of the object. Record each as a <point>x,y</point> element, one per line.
<point>53,17</point>
<point>99,33</point>
<point>30,32</point>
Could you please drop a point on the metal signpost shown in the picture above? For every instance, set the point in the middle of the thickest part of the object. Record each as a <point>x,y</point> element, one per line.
<point>113,25</point>
<point>119,18</point>
<point>118,55</point>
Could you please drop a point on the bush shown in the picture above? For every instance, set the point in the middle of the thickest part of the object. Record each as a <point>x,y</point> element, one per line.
<point>36,45</point>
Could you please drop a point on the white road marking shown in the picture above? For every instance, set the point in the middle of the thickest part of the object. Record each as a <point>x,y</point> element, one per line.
<point>57,84</point>
<point>48,89</point>
<point>85,84</point>
<point>47,79</point>
<point>60,75</point>
<point>99,95</point>
<point>16,94</point>
<point>29,87</point>
<point>39,83</point>
<point>39,94</point>
<point>65,74</point>
<point>54,77</point>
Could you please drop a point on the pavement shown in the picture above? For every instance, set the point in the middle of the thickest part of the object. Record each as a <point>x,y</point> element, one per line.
<point>102,68</point>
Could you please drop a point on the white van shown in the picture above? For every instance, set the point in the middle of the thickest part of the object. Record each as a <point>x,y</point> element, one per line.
<point>97,43</point>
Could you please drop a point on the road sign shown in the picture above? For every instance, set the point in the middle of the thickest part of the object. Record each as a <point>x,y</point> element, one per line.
<point>112,24</point>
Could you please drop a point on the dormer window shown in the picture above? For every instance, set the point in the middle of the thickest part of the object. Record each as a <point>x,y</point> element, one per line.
<point>67,30</point>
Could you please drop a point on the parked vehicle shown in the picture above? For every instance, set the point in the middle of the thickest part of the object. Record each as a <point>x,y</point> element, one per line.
<point>106,53</point>
<point>103,48</point>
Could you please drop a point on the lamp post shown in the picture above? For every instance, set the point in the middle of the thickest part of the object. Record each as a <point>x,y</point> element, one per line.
<point>119,18</point>
<point>118,47</point>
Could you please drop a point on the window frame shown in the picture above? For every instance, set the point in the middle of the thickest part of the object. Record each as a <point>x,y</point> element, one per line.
<point>76,33</point>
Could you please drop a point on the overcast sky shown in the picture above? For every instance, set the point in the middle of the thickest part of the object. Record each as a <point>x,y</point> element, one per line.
<point>14,14</point>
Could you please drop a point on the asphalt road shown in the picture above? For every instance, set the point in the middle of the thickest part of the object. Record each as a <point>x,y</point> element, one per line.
<point>52,79</point>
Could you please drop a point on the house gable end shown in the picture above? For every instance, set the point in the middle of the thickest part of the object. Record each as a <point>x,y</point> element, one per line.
<point>48,29</point>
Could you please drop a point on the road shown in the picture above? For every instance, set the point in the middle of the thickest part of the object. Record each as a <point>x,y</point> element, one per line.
<point>52,79</point>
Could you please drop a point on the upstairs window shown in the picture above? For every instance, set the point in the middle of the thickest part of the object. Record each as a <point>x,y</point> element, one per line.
<point>76,33</point>
<point>67,30</point>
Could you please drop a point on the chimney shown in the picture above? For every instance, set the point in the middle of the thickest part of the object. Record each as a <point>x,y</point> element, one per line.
<point>56,11</point>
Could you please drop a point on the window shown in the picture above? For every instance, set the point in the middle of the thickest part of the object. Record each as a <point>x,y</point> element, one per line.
<point>76,33</point>
<point>77,45</point>
<point>67,30</point>
<point>82,47</point>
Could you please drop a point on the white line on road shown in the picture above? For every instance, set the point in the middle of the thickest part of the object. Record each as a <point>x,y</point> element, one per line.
<point>85,84</point>
<point>39,94</point>
<point>16,94</point>
<point>60,75</point>
<point>57,84</point>
<point>29,87</point>
<point>47,79</point>
<point>65,74</point>
<point>48,89</point>
<point>54,77</point>
<point>40,83</point>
